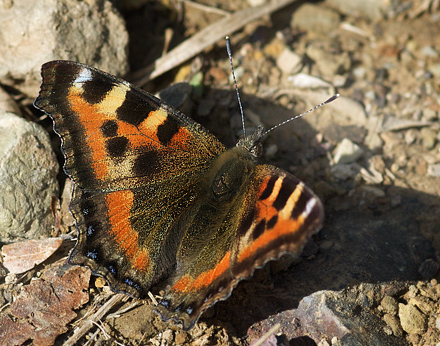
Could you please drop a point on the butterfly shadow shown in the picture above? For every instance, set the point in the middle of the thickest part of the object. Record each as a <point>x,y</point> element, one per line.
<point>383,246</point>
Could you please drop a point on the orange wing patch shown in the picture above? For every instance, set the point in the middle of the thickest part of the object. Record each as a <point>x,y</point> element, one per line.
<point>119,205</point>
<point>91,119</point>
<point>284,225</point>
<point>187,283</point>
<point>156,119</point>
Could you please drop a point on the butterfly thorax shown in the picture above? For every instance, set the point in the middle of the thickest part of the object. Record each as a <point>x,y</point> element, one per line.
<point>234,167</point>
<point>230,170</point>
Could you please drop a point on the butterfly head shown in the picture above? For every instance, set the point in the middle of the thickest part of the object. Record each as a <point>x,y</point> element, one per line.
<point>252,143</point>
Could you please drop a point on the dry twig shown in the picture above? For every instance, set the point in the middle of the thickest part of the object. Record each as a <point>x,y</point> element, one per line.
<point>98,315</point>
<point>204,38</point>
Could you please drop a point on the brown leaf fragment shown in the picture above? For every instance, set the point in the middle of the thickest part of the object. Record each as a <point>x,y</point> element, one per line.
<point>45,306</point>
<point>14,333</point>
<point>22,256</point>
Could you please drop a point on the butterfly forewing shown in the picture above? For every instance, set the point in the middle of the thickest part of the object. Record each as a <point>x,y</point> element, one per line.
<point>137,165</point>
<point>116,136</point>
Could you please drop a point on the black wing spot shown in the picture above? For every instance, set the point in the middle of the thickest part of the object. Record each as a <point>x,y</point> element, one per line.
<point>300,205</point>
<point>117,146</point>
<point>109,128</point>
<point>146,163</point>
<point>272,222</point>
<point>246,224</point>
<point>134,110</point>
<point>269,187</point>
<point>87,206</point>
<point>259,229</point>
<point>96,90</point>
<point>287,187</point>
<point>167,130</point>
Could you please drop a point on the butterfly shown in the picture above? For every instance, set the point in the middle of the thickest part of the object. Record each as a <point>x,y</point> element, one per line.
<point>160,202</point>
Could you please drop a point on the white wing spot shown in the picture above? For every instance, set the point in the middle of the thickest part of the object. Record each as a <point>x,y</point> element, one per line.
<point>309,207</point>
<point>85,75</point>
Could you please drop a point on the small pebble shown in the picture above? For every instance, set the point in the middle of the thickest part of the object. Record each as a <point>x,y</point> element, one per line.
<point>434,170</point>
<point>288,61</point>
<point>429,137</point>
<point>389,305</point>
<point>394,324</point>
<point>429,51</point>
<point>347,152</point>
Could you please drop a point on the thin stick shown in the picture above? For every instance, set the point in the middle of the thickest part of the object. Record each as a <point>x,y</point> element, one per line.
<point>267,335</point>
<point>81,331</point>
<point>206,8</point>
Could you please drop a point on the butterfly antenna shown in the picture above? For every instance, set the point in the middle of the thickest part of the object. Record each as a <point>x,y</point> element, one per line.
<point>331,99</point>
<point>228,49</point>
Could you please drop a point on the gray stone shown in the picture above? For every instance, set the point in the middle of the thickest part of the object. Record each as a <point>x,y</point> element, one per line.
<point>328,63</point>
<point>344,111</point>
<point>28,171</point>
<point>316,19</point>
<point>430,115</point>
<point>34,32</point>
<point>424,304</point>
<point>255,3</point>
<point>373,141</point>
<point>344,171</point>
<point>304,81</point>
<point>434,170</point>
<point>131,326</point>
<point>331,314</point>
<point>7,103</point>
<point>429,51</point>
<point>373,9</point>
<point>336,133</point>
<point>429,137</point>
<point>411,136</point>
<point>435,69</point>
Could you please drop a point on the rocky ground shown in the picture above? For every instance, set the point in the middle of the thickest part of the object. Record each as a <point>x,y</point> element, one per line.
<point>370,277</point>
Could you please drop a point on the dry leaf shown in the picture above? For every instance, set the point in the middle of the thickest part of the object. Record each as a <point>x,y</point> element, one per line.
<point>22,256</point>
<point>45,306</point>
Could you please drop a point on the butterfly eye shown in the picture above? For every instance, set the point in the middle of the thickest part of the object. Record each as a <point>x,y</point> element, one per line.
<point>257,149</point>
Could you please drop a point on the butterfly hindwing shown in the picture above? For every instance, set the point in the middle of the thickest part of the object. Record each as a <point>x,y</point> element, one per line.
<point>263,213</point>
